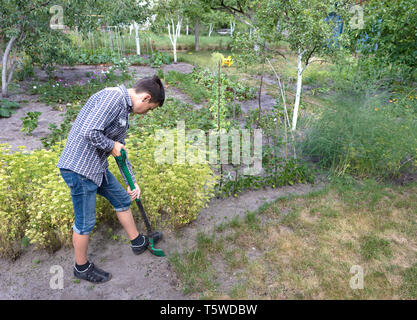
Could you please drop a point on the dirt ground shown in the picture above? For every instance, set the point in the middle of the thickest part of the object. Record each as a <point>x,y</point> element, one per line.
<point>145,276</point>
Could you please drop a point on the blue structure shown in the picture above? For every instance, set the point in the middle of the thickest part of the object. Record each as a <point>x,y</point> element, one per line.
<point>337,29</point>
<point>363,43</point>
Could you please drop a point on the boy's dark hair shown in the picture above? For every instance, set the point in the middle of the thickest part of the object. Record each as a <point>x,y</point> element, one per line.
<point>153,86</point>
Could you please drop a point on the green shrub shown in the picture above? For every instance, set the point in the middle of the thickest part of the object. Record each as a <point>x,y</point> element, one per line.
<point>50,213</point>
<point>61,92</point>
<point>403,103</point>
<point>36,203</point>
<point>30,122</point>
<point>173,111</point>
<point>158,58</point>
<point>185,82</point>
<point>179,191</point>
<point>25,69</point>
<point>7,108</point>
<point>95,57</point>
<point>357,137</point>
<point>23,177</point>
<point>208,80</point>
<point>199,84</point>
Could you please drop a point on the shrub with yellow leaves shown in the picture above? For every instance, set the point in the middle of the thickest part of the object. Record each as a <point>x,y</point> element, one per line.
<point>36,203</point>
<point>23,175</point>
<point>176,191</point>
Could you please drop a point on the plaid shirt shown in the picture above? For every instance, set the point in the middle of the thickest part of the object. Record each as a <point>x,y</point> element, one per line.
<point>103,120</point>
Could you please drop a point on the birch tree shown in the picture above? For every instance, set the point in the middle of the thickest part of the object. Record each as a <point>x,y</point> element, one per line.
<point>210,29</point>
<point>174,33</point>
<point>232,27</point>
<point>307,33</point>
<point>136,26</point>
<point>170,13</point>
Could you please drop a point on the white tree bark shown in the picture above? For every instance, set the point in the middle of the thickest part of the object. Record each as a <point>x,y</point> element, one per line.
<point>180,25</point>
<point>173,34</point>
<point>137,38</point>
<point>186,29</point>
<point>6,78</point>
<point>300,70</point>
<point>256,46</point>
<point>232,27</point>
<point>210,29</point>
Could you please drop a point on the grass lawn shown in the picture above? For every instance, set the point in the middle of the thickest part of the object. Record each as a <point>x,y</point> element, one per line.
<point>151,41</point>
<point>304,247</point>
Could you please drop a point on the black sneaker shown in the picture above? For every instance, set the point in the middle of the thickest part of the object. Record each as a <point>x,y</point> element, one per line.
<point>142,246</point>
<point>93,274</point>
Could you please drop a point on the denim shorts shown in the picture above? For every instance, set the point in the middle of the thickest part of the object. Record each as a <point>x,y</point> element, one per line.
<point>83,193</point>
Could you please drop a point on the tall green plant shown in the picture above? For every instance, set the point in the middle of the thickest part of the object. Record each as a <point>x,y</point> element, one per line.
<point>30,122</point>
<point>356,136</point>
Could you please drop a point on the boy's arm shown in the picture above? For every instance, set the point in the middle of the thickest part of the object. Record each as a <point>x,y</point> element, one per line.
<point>106,110</point>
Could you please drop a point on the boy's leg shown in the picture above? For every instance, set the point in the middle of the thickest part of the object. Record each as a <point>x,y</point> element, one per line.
<point>83,193</point>
<point>120,199</point>
<point>127,222</point>
<point>80,243</point>
<point>113,191</point>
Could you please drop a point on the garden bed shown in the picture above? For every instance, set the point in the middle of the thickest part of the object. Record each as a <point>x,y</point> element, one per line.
<point>146,277</point>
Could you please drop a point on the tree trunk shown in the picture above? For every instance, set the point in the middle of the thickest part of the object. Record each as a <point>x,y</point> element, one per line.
<point>5,79</point>
<point>196,32</point>
<point>260,86</point>
<point>298,91</point>
<point>232,27</point>
<point>173,39</point>
<point>218,120</point>
<point>137,38</point>
<point>256,46</point>
<point>111,39</point>
<point>173,35</point>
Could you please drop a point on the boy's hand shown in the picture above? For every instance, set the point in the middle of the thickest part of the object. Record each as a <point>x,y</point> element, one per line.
<point>135,193</point>
<point>117,148</point>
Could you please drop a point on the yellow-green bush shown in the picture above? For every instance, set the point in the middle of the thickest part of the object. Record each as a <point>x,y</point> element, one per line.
<point>50,213</point>
<point>22,175</point>
<point>178,190</point>
<point>13,197</point>
<point>36,203</point>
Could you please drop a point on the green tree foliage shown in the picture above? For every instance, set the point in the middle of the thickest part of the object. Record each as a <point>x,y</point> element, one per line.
<point>25,27</point>
<point>391,30</point>
<point>303,25</point>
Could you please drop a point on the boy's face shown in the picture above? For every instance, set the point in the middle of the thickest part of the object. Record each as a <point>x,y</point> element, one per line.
<point>140,102</point>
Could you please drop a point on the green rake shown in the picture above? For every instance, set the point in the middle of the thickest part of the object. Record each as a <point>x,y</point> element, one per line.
<point>121,160</point>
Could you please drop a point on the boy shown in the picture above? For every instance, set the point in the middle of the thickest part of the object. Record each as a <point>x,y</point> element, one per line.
<point>98,132</point>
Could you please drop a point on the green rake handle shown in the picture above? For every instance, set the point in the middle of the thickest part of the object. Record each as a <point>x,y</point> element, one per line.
<point>121,160</point>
